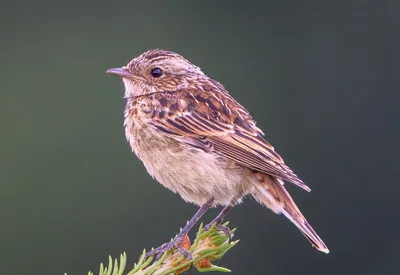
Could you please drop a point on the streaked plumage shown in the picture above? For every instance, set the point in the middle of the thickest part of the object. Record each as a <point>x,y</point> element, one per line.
<point>198,141</point>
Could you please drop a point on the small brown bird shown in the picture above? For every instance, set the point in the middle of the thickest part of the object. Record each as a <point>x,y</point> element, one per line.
<point>198,141</point>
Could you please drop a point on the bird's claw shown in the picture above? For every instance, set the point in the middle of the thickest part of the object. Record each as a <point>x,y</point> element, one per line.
<point>176,243</point>
<point>220,227</point>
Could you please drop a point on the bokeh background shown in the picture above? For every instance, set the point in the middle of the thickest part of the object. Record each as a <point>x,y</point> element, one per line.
<point>321,79</point>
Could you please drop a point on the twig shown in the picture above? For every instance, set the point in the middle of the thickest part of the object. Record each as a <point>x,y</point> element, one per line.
<point>209,246</point>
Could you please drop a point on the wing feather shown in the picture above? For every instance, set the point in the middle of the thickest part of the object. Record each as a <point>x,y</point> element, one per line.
<point>213,121</point>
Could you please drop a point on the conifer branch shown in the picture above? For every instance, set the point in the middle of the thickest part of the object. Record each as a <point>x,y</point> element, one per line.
<point>209,246</point>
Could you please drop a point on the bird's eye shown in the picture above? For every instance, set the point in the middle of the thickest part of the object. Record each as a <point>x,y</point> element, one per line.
<point>156,72</point>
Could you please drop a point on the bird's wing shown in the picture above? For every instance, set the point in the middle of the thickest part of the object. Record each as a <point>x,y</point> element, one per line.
<point>215,122</point>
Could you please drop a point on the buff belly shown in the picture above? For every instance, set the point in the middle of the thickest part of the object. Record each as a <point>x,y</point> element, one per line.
<point>194,174</point>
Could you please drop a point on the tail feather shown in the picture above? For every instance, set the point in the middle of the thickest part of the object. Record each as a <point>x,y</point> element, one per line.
<point>270,192</point>
<point>308,232</point>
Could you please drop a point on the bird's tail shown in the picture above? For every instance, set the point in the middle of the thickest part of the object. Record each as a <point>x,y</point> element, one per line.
<point>270,192</point>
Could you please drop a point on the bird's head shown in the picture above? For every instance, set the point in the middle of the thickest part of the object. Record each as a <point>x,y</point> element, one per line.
<point>156,71</point>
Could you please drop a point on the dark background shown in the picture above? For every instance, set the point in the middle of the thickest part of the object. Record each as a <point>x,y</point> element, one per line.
<point>321,79</point>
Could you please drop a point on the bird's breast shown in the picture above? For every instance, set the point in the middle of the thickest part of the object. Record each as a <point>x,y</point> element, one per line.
<point>194,174</point>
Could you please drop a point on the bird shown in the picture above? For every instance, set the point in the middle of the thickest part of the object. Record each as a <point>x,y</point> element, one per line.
<point>195,139</point>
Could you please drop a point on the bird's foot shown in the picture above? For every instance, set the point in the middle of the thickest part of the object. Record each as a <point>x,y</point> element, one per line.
<point>180,243</point>
<point>219,227</point>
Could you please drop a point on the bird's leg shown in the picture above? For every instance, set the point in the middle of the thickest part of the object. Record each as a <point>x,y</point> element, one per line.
<point>219,219</point>
<point>176,242</point>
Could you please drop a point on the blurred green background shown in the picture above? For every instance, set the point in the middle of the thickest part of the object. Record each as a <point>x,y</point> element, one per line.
<point>316,76</point>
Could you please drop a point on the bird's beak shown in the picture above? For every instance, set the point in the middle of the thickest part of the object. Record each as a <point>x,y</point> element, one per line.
<point>122,72</point>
